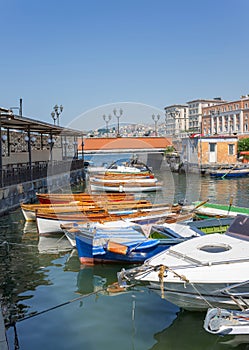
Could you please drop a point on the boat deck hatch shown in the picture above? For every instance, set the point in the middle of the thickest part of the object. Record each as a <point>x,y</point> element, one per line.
<point>215,248</point>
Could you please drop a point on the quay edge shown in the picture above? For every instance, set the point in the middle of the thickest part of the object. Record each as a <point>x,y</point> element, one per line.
<point>12,196</point>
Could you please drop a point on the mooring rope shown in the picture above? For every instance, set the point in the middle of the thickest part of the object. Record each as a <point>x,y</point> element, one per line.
<point>113,288</point>
<point>163,268</point>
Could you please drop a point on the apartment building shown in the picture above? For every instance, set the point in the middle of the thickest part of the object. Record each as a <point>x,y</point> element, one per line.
<point>229,118</point>
<point>176,119</point>
<point>182,118</point>
<point>195,111</point>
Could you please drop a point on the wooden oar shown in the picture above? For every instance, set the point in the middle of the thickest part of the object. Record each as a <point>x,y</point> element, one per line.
<point>228,171</point>
<point>199,205</point>
<point>230,204</point>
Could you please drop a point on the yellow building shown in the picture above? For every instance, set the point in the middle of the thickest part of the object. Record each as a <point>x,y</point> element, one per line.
<point>217,150</point>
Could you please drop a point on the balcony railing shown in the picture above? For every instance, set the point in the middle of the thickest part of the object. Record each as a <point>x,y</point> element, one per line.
<point>19,173</point>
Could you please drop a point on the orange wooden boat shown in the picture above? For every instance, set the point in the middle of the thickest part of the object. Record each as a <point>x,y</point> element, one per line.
<point>46,198</point>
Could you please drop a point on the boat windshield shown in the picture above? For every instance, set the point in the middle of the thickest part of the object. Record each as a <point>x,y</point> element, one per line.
<point>125,162</point>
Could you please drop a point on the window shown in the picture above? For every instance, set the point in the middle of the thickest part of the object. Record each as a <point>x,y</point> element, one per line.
<point>231,149</point>
<point>212,147</point>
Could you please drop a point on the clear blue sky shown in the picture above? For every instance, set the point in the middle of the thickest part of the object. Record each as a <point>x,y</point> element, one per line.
<point>87,53</point>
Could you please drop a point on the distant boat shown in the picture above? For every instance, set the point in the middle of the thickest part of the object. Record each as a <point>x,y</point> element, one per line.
<point>128,166</point>
<point>219,210</point>
<point>126,175</point>
<point>232,172</point>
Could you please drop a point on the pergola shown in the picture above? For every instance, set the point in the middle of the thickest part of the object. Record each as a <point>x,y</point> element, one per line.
<point>16,123</point>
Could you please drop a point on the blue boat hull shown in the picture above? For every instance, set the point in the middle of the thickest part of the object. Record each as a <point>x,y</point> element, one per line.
<point>86,256</point>
<point>230,174</point>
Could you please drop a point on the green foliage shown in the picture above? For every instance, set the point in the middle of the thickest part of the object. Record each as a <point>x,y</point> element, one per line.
<point>169,149</point>
<point>243,145</point>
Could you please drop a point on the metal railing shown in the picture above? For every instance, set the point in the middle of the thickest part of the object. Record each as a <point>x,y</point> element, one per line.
<point>19,173</point>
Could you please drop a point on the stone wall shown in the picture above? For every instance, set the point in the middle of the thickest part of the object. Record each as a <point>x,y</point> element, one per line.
<point>12,196</point>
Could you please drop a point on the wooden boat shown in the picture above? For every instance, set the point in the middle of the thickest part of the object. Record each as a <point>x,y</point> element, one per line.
<point>122,187</point>
<point>122,207</point>
<point>211,225</point>
<point>51,222</point>
<point>227,322</point>
<point>208,210</point>
<point>63,198</point>
<point>119,242</point>
<point>198,273</point>
<point>237,171</point>
<point>126,176</point>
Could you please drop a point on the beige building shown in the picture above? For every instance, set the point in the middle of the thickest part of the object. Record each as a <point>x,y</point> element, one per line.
<point>195,111</point>
<point>187,118</point>
<point>176,119</point>
<point>217,150</point>
<point>230,118</point>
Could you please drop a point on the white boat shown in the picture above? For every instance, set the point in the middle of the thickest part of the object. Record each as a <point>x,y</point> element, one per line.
<point>126,175</point>
<point>128,166</point>
<point>194,274</point>
<point>127,187</point>
<point>51,223</point>
<point>227,322</point>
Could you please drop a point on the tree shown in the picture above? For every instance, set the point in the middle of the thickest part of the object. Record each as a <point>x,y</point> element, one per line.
<point>243,145</point>
<point>169,149</point>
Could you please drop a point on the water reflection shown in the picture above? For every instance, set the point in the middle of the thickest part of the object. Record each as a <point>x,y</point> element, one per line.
<point>98,277</point>
<point>35,274</point>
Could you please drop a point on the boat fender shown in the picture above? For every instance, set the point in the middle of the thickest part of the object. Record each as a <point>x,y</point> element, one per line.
<point>117,248</point>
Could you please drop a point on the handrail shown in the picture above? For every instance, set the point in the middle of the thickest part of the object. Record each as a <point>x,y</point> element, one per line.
<point>16,174</point>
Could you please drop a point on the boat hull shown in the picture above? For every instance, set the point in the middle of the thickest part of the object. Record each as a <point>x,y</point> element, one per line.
<point>124,188</point>
<point>198,298</point>
<point>86,256</point>
<point>223,322</point>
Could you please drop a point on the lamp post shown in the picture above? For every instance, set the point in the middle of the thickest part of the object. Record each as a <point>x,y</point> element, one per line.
<point>118,117</point>
<point>107,119</point>
<point>51,142</point>
<point>55,114</point>
<point>155,118</point>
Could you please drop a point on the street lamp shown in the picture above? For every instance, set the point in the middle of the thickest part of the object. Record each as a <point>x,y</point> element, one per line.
<point>107,119</point>
<point>118,117</point>
<point>55,114</point>
<point>155,118</point>
<point>51,142</point>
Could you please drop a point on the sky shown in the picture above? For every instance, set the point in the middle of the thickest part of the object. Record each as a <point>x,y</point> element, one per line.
<point>92,56</point>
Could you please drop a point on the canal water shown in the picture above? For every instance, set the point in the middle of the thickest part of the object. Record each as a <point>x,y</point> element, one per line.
<point>62,305</point>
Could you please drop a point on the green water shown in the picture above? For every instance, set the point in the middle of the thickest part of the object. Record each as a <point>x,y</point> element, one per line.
<point>35,278</point>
